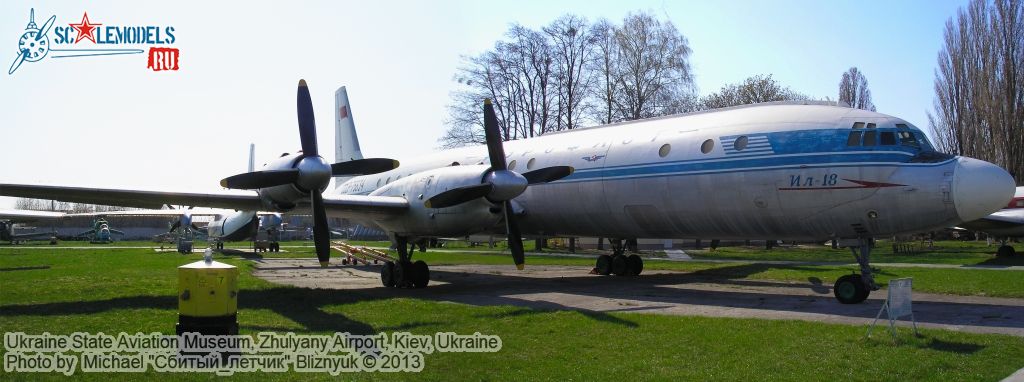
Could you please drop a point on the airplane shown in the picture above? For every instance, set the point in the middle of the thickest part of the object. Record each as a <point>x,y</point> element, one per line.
<point>100,233</point>
<point>781,171</point>
<point>225,226</point>
<point>1003,224</point>
<point>9,218</point>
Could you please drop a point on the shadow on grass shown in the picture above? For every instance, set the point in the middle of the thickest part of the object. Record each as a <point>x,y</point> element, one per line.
<point>304,306</point>
<point>1003,261</point>
<point>32,268</point>
<point>228,252</point>
<point>592,314</point>
<point>952,347</point>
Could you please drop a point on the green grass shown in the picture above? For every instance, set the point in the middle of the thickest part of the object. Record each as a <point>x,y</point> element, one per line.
<point>134,290</point>
<point>968,282</point>
<point>943,252</point>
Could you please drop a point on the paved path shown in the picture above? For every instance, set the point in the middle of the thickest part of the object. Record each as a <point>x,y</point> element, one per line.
<point>663,292</point>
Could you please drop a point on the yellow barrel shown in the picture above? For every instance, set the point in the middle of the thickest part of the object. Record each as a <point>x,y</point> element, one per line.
<point>207,298</point>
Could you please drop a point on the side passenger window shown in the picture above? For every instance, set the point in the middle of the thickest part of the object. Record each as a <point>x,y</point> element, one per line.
<point>870,138</point>
<point>854,139</point>
<point>888,138</point>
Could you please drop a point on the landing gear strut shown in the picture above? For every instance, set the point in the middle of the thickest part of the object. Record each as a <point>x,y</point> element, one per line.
<point>405,273</point>
<point>1005,249</point>
<point>618,263</point>
<point>854,289</point>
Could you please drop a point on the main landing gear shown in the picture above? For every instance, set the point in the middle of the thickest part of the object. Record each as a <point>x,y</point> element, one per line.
<point>405,273</point>
<point>853,289</point>
<point>1005,249</point>
<point>618,263</point>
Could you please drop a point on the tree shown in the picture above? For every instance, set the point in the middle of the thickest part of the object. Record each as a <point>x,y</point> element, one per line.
<point>571,73</point>
<point>853,89</point>
<point>756,89</point>
<point>572,48</point>
<point>979,85</point>
<point>606,70</point>
<point>654,67</point>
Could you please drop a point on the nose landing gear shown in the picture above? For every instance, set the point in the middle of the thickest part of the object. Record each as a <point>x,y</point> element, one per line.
<point>854,289</point>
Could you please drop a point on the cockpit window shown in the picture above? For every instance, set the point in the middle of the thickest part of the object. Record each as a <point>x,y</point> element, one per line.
<point>907,139</point>
<point>888,138</point>
<point>902,126</point>
<point>871,125</point>
<point>858,125</point>
<point>922,141</point>
<point>853,139</point>
<point>870,138</point>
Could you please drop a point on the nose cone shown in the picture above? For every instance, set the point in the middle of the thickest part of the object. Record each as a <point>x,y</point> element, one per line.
<point>980,188</point>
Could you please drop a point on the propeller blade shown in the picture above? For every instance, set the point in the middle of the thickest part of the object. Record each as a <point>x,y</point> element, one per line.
<point>321,232</point>
<point>494,148</point>
<point>18,61</point>
<point>515,238</point>
<point>363,166</point>
<point>548,174</point>
<point>307,124</point>
<point>458,195</point>
<point>46,27</point>
<point>260,179</point>
<point>175,226</point>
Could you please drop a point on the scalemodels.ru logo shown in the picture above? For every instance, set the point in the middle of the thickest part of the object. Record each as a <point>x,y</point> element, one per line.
<point>88,38</point>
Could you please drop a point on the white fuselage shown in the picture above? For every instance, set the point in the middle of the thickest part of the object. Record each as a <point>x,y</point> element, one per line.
<point>771,172</point>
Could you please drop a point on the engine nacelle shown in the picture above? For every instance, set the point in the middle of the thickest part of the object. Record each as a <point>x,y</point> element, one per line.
<point>283,197</point>
<point>460,220</point>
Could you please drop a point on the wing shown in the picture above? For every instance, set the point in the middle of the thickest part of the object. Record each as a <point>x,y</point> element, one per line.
<point>25,216</point>
<point>364,207</point>
<point>1006,222</point>
<point>349,206</point>
<point>147,213</point>
<point>236,200</point>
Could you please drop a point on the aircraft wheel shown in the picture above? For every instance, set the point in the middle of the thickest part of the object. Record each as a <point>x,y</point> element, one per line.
<point>850,289</point>
<point>403,274</point>
<point>1005,251</point>
<point>620,266</point>
<point>387,274</point>
<point>634,265</point>
<point>604,265</point>
<point>420,274</point>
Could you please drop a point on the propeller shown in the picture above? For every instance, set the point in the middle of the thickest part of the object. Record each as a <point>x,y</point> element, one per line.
<point>500,184</point>
<point>458,195</point>
<point>260,179</point>
<point>311,174</point>
<point>548,174</point>
<point>363,166</point>
<point>17,61</point>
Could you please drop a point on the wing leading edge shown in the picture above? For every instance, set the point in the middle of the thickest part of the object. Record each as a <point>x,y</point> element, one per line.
<point>358,206</point>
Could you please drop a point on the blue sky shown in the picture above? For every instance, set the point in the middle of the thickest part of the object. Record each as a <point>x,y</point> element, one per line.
<point>110,122</point>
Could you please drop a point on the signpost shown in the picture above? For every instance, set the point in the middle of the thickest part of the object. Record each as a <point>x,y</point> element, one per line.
<point>898,304</point>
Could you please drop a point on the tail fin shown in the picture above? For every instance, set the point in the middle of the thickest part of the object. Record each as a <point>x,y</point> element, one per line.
<point>252,157</point>
<point>346,143</point>
<point>345,140</point>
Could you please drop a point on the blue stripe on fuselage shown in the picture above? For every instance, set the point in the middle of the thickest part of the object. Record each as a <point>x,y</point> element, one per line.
<point>792,149</point>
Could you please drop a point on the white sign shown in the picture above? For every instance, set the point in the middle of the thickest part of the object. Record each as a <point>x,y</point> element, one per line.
<point>899,298</point>
<point>897,305</point>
